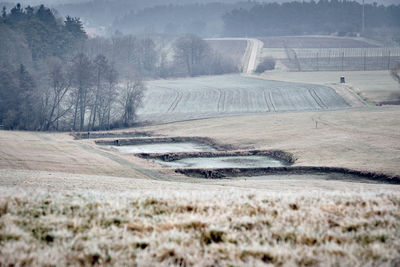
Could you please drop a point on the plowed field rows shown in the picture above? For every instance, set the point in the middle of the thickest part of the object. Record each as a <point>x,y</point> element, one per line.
<point>202,97</point>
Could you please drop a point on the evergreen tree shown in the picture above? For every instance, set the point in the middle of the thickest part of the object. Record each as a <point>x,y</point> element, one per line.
<point>4,12</point>
<point>46,16</point>
<point>75,27</point>
<point>28,37</point>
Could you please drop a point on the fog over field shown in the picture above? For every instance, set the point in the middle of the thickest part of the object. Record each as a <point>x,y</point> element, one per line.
<point>199,133</point>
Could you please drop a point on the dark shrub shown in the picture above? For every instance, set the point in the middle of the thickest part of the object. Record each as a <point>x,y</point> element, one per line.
<point>266,64</point>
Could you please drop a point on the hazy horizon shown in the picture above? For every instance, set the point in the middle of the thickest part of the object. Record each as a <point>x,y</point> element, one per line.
<point>60,2</point>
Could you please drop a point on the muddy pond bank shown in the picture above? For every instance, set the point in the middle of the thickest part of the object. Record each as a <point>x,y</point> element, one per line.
<point>98,135</point>
<point>224,162</point>
<point>186,147</point>
<point>221,173</point>
<point>285,157</point>
<point>162,140</point>
<point>203,157</point>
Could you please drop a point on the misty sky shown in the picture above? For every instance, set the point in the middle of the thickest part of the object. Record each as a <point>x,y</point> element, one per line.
<point>56,2</point>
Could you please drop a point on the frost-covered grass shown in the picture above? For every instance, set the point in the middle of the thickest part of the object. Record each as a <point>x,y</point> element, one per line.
<point>374,86</point>
<point>215,96</point>
<point>177,227</point>
<point>316,42</point>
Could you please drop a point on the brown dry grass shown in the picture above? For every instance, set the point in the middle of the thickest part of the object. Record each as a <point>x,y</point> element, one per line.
<point>58,152</point>
<point>70,202</point>
<point>199,228</point>
<point>365,139</point>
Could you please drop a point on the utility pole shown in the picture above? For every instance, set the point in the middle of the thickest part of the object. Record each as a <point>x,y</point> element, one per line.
<point>363,18</point>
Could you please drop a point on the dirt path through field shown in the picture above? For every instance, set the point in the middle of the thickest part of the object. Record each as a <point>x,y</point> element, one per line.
<point>255,49</point>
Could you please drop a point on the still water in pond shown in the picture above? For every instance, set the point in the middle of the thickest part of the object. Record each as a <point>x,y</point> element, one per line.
<point>164,148</point>
<point>224,162</point>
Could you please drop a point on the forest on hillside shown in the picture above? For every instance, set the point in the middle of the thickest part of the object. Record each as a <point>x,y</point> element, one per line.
<point>241,18</point>
<point>201,19</point>
<point>54,77</point>
<point>300,18</point>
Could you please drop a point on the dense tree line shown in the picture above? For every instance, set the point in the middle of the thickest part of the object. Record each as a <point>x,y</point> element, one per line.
<point>53,77</point>
<point>298,18</point>
<point>37,34</point>
<point>193,57</point>
<point>46,85</point>
<point>83,94</point>
<point>161,57</point>
<point>104,12</point>
<point>200,19</point>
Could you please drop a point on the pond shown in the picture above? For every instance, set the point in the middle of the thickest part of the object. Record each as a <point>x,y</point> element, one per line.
<point>163,148</point>
<point>224,162</point>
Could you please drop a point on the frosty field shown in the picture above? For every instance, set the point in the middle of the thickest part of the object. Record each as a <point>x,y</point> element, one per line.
<point>209,225</point>
<point>203,97</point>
<point>316,42</point>
<point>317,53</point>
<point>70,201</point>
<point>66,201</point>
<point>373,86</point>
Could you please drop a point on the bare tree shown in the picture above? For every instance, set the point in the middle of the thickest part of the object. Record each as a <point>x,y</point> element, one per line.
<point>149,55</point>
<point>131,100</point>
<point>395,72</point>
<point>82,77</point>
<point>191,52</point>
<point>197,58</point>
<point>54,107</point>
<point>111,95</point>
<point>100,65</point>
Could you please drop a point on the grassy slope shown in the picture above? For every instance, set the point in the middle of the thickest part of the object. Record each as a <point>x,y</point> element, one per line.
<point>216,96</point>
<point>53,212</point>
<point>364,139</point>
<point>350,138</point>
<point>64,201</point>
<point>374,86</point>
<point>204,226</point>
<point>58,152</point>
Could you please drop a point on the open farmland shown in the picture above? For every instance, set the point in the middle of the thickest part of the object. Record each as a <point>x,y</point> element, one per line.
<point>77,202</point>
<point>115,150</point>
<point>66,201</point>
<point>316,42</point>
<point>202,97</point>
<point>363,139</point>
<point>315,53</point>
<point>376,87</point>
<point>341,59</point>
